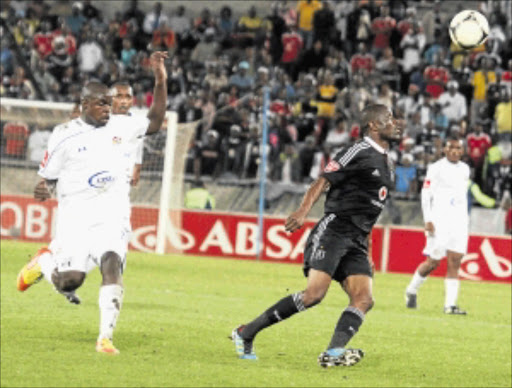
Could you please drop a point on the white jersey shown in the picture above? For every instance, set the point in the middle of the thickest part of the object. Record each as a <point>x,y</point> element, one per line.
<point>93,165</point>
<point>444,197</point>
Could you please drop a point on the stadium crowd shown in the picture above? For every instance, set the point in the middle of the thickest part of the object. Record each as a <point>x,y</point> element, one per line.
<point>323,61</point>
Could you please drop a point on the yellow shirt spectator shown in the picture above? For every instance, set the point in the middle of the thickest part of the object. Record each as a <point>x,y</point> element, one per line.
<point>306,11</point>
<point>503,116</point>
<point>480,83</point>
<point>326,102</point>
<point>250,23</point>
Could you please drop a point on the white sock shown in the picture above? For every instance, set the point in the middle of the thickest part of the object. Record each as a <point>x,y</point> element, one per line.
<point>110,301</point>
<point>48,265</point>
<point>416,281</point>
<point>451,289</point>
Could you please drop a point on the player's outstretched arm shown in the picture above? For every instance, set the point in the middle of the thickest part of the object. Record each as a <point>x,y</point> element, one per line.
<point>296,219</point>
<point>156,113</point>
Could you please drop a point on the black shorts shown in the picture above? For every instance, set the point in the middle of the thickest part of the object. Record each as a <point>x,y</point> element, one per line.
<point>337,247</point>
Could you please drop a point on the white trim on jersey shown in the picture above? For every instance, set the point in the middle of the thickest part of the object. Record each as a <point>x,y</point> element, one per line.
<point>353,151</point>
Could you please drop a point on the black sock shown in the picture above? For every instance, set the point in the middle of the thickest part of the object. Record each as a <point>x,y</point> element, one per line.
<point>283,309</point>
<point>347,327</point>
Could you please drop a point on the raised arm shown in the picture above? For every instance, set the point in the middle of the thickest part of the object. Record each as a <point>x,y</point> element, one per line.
<point>296,219</point>
<point>156,113</point>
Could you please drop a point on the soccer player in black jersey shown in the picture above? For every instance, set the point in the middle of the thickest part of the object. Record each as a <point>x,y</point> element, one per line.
<point>357,181</point>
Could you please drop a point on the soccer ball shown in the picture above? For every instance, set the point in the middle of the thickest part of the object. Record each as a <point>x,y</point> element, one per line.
<point>469,29</point>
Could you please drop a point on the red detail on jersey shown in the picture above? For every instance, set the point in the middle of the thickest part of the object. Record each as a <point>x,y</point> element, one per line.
<point>332,166</point>
<point>383,193</point>
<point>45,159</point>
<point>426,184</point>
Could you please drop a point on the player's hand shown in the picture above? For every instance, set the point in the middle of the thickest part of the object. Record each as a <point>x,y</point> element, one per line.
<point>135,179</point>
<point>429,228</point>
<point>158,65</point>
<point>42,191</point>
<point>294,221</point>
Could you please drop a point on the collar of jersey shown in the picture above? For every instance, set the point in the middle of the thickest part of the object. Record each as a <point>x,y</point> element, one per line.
<point>83,123</point>
<point>375,145</point>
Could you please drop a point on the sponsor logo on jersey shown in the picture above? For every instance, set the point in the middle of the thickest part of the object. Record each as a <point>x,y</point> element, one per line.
<point>426,184</point>
<point>101,180</point>
<point>332,166</point>
<point>116,140</point>
<point>376,172</point>
<point>383,193</point>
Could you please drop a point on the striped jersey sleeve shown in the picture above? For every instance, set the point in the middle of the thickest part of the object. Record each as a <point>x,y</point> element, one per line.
<point>344,163</point>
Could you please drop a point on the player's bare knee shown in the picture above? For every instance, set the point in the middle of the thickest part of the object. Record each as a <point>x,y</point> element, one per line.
<point>313,297</point>
<point>70,281</point>
<point>363,301</point>
<point>111,268</point>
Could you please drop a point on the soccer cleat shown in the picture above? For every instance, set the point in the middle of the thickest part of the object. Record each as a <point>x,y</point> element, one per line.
<point>410,301</point>
<point>454,310</point>
<point>243,348</point>
<point>340,357</point>
<point>31,272</point>
<point>105,345</point>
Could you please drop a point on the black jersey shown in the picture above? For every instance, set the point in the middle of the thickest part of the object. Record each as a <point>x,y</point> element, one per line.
<point>361,176</point>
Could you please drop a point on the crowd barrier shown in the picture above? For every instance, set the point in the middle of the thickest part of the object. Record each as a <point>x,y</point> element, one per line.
<point>395,249</point>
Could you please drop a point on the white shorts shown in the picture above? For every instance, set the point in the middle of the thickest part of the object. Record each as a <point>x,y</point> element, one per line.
<point>81,241</point>
<point>454,240</point>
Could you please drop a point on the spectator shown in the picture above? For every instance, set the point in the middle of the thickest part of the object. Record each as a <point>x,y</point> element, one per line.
<point>76,20</point>
<point>324,24</point>
<point>208,157</point>
<point>453,103</point>
<point>338,136</point>
<point>134,13</point>
<point>90,55</point>
<point>15,135</point>
<point>313,59</point>
<point>305,13</point>
<point>406,184</point>
<point>48,84</point>
<point>287,168</point>
<point>240,79</point>
<point>481,80</point>
<point>205,50</point>
<point>153,19</point>
<point>37,143</point>
<point>503,117</point>
<point>433,23</point>
<point>288,14</point>
<point>306,157</point>
<point>326,97</point>
<point>164,38</point>
<point>388,68</point>
<point>412,45</point>
<point>362,61</point>
<point>436,77</point>
<point>440,120</point>
<point>90,11</point>
<point>179,22</point>
<point>43,40</point>
<point>382,28</point>
<point>478,143</point>
<point>386,96</point>
<point>198,197</point>
<point>188,111</point>
<point>292,47</point>
<point>410,103</point>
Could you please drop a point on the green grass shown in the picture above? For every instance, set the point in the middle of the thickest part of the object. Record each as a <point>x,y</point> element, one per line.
<point>178,312</point>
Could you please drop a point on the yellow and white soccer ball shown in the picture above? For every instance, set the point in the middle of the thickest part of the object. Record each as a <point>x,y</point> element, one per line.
<point>469,29</point>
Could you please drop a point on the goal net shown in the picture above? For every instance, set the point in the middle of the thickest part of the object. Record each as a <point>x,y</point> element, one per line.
<point>157,198</point>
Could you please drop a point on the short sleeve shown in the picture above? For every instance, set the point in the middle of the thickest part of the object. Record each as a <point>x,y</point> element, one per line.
<point>54,157</point>
<point>343,165</point>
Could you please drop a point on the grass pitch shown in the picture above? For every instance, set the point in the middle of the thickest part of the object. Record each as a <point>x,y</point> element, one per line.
<point>179,310</point>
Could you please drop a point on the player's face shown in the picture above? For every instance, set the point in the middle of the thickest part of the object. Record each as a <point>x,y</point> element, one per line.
<point>97,109</point>
<point>122,101</point>
<point>389,130</point>
<point>453,150</point>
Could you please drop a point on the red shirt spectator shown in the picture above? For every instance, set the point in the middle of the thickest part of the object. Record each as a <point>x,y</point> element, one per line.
<point>436,79</point>
<point>362,62</point>
<point>43,44</point>
<point>280,107</point>
<point>404,27</point>
<point>16,135</point>
<point>292,46</point>
<point>478,144</point>
<point>163,38</point>
<point>382,27</point>
<point>506,76</point>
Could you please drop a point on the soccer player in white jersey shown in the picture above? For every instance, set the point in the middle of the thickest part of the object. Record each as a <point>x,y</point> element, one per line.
<point>445,212</point>
<point>91,160</point>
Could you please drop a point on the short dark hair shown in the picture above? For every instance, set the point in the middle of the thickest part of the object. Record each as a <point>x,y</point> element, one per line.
<point>121,84</point>
<point>93,89</point>
<point>451,138</point>
<point>371,113</point>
